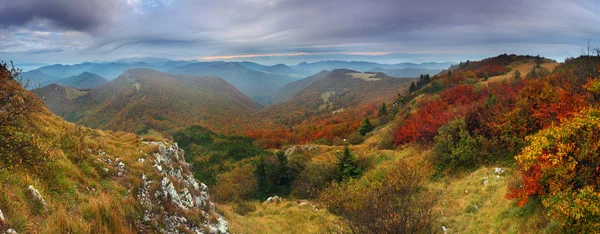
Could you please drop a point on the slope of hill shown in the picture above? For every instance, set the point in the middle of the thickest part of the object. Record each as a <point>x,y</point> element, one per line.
<point>58,177</point>
<point>60,100</point>
<point>338,90</point>
<point>144,100</point>
<point>85,80</point>
<point>255,84</point>
<point>290,90</point>
<point>406,72</point>
<point>329,108</point>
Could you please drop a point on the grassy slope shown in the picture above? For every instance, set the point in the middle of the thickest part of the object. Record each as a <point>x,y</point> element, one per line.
<point>284,217</point>
<point>76,192</point>
<point>524,69</point>
<point>80,182</point>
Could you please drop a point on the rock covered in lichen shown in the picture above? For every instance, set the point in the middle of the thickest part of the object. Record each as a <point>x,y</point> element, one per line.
<point>177,193</point>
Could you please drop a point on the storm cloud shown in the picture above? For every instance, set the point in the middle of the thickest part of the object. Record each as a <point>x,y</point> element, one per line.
<point>67,14</point>
<point>428,29</point>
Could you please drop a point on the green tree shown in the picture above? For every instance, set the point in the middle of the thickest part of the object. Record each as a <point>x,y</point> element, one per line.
<point>365,127</point>
<point>284,176</point>
<point>262,183</point>
<point>533,73</point>
<point>273,176</point>
<point>517,75</point>
<point>412,88</point>
<point>456,148</point>
<point>382,110</point>
<point>347,166</point>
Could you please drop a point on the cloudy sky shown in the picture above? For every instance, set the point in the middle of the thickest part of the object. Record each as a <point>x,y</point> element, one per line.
<point>290,31</point>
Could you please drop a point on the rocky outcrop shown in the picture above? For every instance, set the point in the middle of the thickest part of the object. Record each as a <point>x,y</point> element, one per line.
<point>300,148</point>
<point>177,193</point>
<point>35,194</point>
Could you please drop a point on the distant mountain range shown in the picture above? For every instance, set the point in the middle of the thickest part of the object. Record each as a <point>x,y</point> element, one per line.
<point>260,82</point>
<point>366,66</point>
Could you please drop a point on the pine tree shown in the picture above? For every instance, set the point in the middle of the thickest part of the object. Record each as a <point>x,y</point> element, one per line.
<point>533,73</point>
<point>412,88</point>
<point>365,127</point>
<point>382,110</point>
<point>284,177</point>
<point>347,166</point>
<point>261,179</point>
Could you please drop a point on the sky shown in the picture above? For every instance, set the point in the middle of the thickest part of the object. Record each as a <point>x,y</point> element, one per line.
<point>292,31</point>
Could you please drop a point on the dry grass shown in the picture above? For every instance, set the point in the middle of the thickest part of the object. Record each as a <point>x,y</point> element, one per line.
<point>524,69</point>
<point>364,76</point>
<point>74,93</point>
<point>81,197</point>
<point>284,217</point>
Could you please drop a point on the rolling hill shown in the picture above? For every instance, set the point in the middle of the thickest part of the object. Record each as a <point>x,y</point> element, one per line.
<point>85,80</point>
<point>60,100</point>
<point>146,101</point>
<point>255,84</point>
<point>290,90</point>
<point>339,90</point>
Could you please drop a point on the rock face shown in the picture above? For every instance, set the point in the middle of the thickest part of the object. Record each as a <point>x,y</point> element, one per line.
<point>176,193</point>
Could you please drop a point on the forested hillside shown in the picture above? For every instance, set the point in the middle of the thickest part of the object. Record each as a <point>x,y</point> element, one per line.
<point>331,106</point>
<point>146,101</point>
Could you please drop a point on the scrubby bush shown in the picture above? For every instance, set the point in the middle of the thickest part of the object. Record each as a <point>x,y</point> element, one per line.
<point>235,185</point>
<point>455,148</point>
<point>393,199</point>
<point>314,178</point>
<point>355,138</point>
<point>17,144</point>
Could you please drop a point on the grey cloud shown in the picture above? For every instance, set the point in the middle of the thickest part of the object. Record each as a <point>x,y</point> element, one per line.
<point>80,15</point>
<point>191,28</point>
